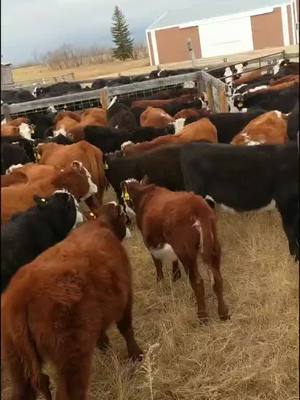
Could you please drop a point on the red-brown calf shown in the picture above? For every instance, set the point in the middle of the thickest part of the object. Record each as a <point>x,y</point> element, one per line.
<point>177,226</point>
<point>59,306</point>
<point>156,118</point>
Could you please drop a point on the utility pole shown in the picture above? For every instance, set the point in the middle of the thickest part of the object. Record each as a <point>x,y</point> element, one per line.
<point>191,51</point>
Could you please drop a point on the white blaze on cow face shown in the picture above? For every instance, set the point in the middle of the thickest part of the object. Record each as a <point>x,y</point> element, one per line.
<point>92,186</point>
<point>239,68</point>
<point>60,131</point>
<point>164,253</point>
<point>228,75</point>
<point>52,109</point>
<point>26,131</point>
<point>12,167</point>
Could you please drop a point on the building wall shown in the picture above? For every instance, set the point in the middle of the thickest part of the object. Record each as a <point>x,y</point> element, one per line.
<point>150,48</point>
<point>267,30</point>
<point>290,24</point>
<point>271,29</point>
<point>172,44</point>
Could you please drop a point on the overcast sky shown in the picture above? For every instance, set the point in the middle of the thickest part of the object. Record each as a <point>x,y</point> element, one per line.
<point>31,27</point>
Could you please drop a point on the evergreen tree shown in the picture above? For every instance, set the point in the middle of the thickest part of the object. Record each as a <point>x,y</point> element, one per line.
<point>121,36</point>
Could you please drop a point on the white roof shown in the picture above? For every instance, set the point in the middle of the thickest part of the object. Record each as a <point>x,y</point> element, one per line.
<point>210,9</point>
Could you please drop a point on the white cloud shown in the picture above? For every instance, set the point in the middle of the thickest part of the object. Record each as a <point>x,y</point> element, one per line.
<point>36,26</point>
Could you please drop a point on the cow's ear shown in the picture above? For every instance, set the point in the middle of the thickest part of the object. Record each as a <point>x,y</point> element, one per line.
<point>40,201</point>
<point>145,180</point>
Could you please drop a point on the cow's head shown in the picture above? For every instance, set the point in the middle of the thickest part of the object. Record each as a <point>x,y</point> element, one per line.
<point>77,180</point>
<point>113,215</point>
<point>238,101</point>
<point>61,206</point>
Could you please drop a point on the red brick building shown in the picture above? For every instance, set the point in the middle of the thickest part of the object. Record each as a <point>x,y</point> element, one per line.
<point>224,27</point>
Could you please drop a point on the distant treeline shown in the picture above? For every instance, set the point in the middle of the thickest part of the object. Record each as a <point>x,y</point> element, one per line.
<point>68,56</point>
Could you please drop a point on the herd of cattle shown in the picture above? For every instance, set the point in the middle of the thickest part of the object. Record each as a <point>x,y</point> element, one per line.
<point>170,161</point>
<point>13,96</point>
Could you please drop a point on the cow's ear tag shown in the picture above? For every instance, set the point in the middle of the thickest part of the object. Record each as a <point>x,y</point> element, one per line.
<point>105,166</point>
<point>125,195</point>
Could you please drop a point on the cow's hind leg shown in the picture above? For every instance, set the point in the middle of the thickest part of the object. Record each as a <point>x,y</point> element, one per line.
<point>74,377</point>
<point>126,330</point>
<point>218,289</point>
<point>22,388</point>
<point>103,342</point>
<point>197,284</point>
<point>159,269</point>
<point>290,219</point>
<point>176,274</point>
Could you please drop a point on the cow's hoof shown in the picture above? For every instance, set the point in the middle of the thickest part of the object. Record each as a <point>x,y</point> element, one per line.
<point>137,357</point>
<point>224,317</point>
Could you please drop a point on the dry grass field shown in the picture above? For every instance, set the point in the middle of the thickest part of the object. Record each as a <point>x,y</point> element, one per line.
<point>254,356</point>
<point>38,72</point>
<point>131,67</point>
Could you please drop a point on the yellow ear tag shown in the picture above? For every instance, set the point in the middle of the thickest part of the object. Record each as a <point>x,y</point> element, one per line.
<point>43,200</point>
<point>105,166</point>
<point>92,215</point>
<point>125,195</point>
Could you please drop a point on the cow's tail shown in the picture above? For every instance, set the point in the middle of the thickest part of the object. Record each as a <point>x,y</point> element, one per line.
<point>23,350</point>
<point>209,246</point>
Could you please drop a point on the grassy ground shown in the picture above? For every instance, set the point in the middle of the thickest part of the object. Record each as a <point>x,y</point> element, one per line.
<point>254,356</point>
<point>38,72</point>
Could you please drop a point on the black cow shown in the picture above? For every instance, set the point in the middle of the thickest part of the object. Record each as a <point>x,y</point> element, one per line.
<point>42,121</point>
<point>162,166</point>
<point>247,178</point>
<point>109,140</point>
<point>120,116</point>
<point>29,233</point>
<point>27,145</point>
<point>293,123</point>
<point>58,89</point>
<point>287,68</point>
<point>16,96</point>
<point>99,83</point>
<point>12,154</point>
<point>283,100</point>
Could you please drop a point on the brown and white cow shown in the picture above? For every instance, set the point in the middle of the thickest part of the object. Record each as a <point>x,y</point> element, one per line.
<point>75,178</point>
<point>73,123</point>
<point>200,130</point>
<point>268,128</point>
<point>155,118</point>
<point>58,308</point>
<point>17,127</point>
<point>177,226</point>
<point>90,156</point>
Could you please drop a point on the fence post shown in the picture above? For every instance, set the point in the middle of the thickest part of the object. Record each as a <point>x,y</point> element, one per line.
<point>210,96</point>
<point>199,84</point>
<point>6,111</point>
<point>104,98</point>
<point>222,99</point>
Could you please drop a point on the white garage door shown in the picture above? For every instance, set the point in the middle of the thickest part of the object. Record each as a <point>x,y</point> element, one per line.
<point>226,37</point>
